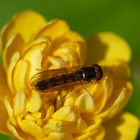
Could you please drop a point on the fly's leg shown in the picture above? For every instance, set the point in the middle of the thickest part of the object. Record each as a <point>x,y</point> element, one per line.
<point>83,86</point>
<point>61,98</point>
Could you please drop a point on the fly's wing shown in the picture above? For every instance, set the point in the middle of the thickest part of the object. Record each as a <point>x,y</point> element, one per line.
<point>54,73</point>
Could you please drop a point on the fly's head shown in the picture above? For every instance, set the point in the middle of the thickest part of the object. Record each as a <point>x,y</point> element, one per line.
<point>98,71</point>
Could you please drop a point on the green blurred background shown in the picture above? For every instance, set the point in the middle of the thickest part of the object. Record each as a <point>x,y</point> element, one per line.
<point>88,17</point>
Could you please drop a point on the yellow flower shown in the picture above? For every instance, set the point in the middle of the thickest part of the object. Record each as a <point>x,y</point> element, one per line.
<point>29,44</point>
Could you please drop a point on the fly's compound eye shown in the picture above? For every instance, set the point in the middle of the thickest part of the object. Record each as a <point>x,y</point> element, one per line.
<point>98,71</point>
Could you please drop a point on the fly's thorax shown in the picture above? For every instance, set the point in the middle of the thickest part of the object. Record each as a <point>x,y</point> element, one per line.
<point>86,74</point>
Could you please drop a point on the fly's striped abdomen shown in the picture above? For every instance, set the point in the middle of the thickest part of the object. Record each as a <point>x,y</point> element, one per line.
<point>56,82</point>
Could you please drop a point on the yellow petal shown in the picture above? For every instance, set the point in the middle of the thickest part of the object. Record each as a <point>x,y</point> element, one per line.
<point>58,136</point>
<point>84,136</point>
<point>2,46</point>
<point>94,126</point>
<point>117,69</point>
<point>97,134</point>
<point>65,113</point>
<point>34,56</point>
<point>26,24</point>
<point>60,126</point>
<point>81,125</point>
<point>14,131</point>
<point>103,92</point>
<point>70,53</point>
<point>34,102</point>
<point>108,46</point>
<point>54,29</point>
<point>41,42</point>
<point>50,111</point>
<point>85,103</point>
<point>19,75</point>
<point>66,53</point>
<point>31,128</point>
<point>19,103</point>
<point>80,45</point>
<point>10,71</point>
<point>56,62</point>
<point>52,125</point>
<point>117,101</point>
<point>3,119</point>
<point>10,111</point>
<point>4,89</point>
<point>125,126</point>
<point>15,43</point>
<point>34,116</point>
<point>29,117</point>
<point>75,37</point>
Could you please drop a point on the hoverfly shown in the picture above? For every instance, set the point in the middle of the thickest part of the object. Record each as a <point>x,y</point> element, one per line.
<point>57,79</point>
